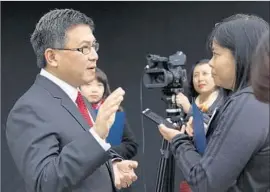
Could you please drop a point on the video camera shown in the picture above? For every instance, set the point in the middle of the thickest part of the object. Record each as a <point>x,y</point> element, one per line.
<point>166,73</point>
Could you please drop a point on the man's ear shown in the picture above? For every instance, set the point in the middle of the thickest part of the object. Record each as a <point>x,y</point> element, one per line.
<point>51,57</point>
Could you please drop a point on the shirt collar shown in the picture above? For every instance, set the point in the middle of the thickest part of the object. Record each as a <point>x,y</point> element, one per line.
<point>71,91</point>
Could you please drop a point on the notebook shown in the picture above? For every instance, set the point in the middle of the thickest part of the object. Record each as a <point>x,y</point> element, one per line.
<point>198,129</point>
<point>116,132</point>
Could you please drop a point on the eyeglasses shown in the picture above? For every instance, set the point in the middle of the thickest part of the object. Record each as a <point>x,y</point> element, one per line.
<point>84,50</point>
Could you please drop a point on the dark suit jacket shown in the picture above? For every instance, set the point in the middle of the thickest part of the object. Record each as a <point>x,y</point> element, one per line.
<point>51,144</point>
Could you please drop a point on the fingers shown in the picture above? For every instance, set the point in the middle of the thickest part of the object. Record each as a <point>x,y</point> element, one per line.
<point>117,182</point>
<point>133,177</point>
<point>116,101</point>
<point>190,120</point>
<point>189,131</point>
<point>125,179</point>
<point>183,129</point>
<point>180,96</point>
<point>118,91</point>
<point>112,102</point>
<point>116,96</point>
<point>130,177</point>
<point>127,165</point>
<point>133,164</point>
<point>165,130</point>
<point>162,129</point>
<point>189,128</point>
<point>182,100</point>
<point>107,113</point>
<point>111,105</point>
<point>128,180</point>
<point>168,133</point>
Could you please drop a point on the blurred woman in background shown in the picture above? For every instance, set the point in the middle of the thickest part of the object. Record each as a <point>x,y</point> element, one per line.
<point>96,92</point>
<point>202,90</point>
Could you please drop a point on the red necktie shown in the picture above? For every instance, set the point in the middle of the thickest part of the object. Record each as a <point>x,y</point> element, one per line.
<point>184,187</point>
<point>83,109</point>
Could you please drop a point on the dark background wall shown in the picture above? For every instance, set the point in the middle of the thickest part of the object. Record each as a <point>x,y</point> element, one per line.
<point>127,31</point>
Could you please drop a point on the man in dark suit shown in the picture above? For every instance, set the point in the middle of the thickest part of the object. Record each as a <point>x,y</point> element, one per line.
<point>55,139</point>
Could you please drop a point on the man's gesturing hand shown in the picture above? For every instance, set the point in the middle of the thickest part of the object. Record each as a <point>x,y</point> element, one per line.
<point>106,114</point>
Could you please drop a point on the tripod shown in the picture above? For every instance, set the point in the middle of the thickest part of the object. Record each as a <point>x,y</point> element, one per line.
<point>166,171</point>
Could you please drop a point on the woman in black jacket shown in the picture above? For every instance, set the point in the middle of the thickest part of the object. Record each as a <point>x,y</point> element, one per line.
<point>237,152</point>
<point>96,92</point>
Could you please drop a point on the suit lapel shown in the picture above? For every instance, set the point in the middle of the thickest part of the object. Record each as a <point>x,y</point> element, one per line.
<point>66,102</point>
<point>73,110</point>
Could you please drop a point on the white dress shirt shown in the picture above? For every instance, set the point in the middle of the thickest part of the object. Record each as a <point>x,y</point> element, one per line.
<point>73,93</point>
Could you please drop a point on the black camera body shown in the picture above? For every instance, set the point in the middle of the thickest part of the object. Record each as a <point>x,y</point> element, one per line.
<point>166,73</point>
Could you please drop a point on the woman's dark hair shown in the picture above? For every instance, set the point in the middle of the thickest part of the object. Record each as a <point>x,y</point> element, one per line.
<point>102,78</point>
<point>240,34</point>
<point>192,92</point>
<point>260,73</point>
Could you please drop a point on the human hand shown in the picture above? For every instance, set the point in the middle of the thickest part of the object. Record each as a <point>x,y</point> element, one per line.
<point>124,174</point>
<point>182,100</point>
<point>189,127</point>
<point>170,133</point>
<point>106,114</point>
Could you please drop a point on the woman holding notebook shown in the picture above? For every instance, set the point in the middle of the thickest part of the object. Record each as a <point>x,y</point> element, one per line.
<point>96,92</point>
